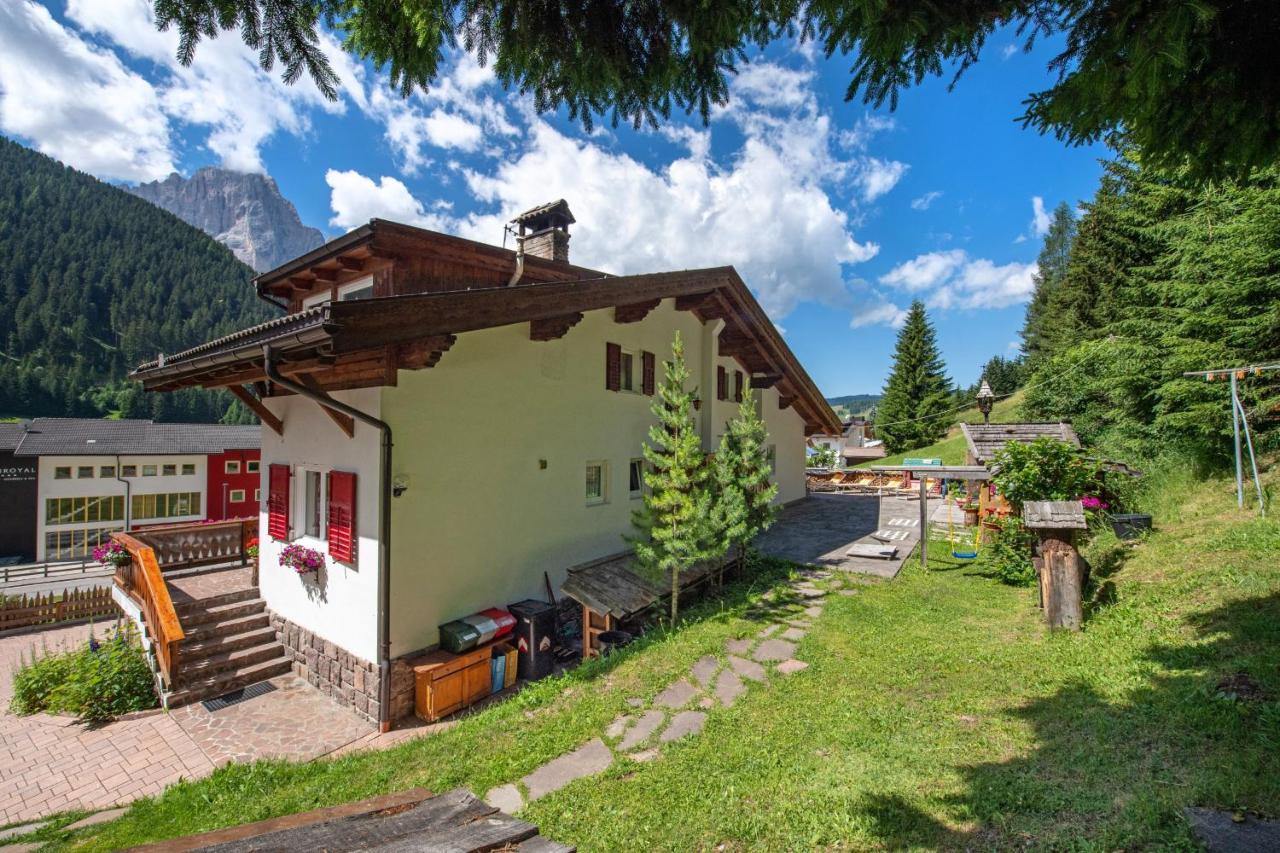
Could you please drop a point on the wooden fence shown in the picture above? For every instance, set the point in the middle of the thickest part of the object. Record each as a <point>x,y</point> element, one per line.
<point>23,611</point>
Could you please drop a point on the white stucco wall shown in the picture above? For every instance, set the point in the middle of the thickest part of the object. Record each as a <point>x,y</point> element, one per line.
<point>482,519</point>
<point>341,604</point>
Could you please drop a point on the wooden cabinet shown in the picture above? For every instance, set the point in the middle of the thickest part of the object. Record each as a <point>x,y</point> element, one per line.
<point>445,682</point>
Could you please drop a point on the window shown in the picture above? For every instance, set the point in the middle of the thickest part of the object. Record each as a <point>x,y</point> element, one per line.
<point>737,386</point>
<point>626,371</point>
<point>128,470</point>
<point>251,465</point>
<point>257,495</point>
<point>74,544</point>
<point>148,470</point>
<point>362,292</point>
<point>172,505</point>
<point>313,495</point>
<point>84,472</point>
<point>278,502</point>
<point>773,458</point>
<point>232,466</point>
<point>107,472</point>
<point>722,383</point>
<point>169,470</point>
<point>635,477</point>
<point>188,469</point>
<point>236,496</point>
<point>597,482</point>
<point>80,510</point>
<point>62,472</point>
<point>342,515</point>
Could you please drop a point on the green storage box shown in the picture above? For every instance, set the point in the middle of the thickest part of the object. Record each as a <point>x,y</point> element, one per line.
<point>457,636</point>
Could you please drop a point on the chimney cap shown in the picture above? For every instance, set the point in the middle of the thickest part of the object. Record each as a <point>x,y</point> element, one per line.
<point>550,215</point>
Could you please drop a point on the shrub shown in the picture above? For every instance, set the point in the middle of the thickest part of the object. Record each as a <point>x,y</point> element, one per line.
<point>97,682</point>
<point>1009,554</point>
<point>1044,469</point>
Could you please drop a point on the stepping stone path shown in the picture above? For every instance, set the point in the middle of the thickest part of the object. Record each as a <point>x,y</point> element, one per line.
<point>714,681</point>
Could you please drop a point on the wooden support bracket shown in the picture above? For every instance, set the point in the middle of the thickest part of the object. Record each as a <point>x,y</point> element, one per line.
<point>553,327</point>
<point>766,380</point>
<point>255,405</point>
<point>635,312</point>
<point>345,422</point>
<point>349,263</point>
<point>785,400</point>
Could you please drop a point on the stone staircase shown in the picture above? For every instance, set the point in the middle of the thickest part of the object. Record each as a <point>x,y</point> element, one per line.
<point>229,644</point>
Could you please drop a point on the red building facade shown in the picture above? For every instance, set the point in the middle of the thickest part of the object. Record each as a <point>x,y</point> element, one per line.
<point>235,484</point>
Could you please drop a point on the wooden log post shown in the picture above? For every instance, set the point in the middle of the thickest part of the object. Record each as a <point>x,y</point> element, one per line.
<point>1058,563</point>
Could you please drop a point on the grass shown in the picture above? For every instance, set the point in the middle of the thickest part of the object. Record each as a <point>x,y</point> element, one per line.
<point>936,713</point>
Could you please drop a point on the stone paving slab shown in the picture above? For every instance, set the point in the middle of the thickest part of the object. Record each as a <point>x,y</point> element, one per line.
<point>587,760</point>
<point>643,729</point>
<point>771,650</point>
<point>704,670</point>
<point>24,829</point>
<point>677,695</point>
<point>505,798</point>
<point>684,724</point>
<point>747,668</point>
<point>788,667</point>
<point>729,687</point>
<point>104,816</point>
<point>738,647</point>
<point>793,634</point>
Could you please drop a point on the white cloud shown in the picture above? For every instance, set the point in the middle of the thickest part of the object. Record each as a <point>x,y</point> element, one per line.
<point>1040,218</point>
<point>1008,51</point>
<point>879,314</point>
<point>76,102</point>
<point>766,84</point>
<point>924,201</point>
<point>864,130</point>
<point>952,279</point>
<point>356,199</point>
<point>876,177</point>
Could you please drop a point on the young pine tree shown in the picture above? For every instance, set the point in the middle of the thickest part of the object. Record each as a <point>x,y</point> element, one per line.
<point>916,397</point>
<point>743,505</point>
<point>1052,264</point>
<point>672,524</point>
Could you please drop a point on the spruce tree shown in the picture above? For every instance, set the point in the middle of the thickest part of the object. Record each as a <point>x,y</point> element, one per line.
<point>1052,262</point>
<point>743,492</point>
<point>912,412</point>
<point>672,523</point>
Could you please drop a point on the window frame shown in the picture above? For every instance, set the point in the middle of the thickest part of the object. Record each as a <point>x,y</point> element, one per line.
<point>154,470</point>
<point>252,466</point>
<point>627,371</point>
<point>106,472</point>
<point>128,471</point>
<point>231,496</point>
<point>603,496</point>
<point>169,469</point>
<point>231,466</point>
<point>192,469</point>
<point>84,472</point>
<point>62,472</point>
<point>304,492</point>
<point>637,493</point>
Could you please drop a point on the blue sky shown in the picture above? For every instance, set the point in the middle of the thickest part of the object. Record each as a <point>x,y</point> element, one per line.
<point>837,215</point>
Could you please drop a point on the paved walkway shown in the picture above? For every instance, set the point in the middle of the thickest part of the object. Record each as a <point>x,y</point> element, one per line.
<point>820,530</point>
<point>682,708</point>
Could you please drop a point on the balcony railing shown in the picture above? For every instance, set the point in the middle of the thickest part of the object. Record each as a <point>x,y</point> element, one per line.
<point>181,546</point>
<point>142,580</point>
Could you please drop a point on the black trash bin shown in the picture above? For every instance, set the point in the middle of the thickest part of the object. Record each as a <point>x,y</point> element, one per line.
<point>535,636</point>
<point>1130,525</point>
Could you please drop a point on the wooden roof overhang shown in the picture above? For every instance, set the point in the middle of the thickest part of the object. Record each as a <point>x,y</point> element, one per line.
<point>365,342</point>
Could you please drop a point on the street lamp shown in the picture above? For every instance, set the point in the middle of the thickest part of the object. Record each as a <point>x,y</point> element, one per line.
<point>985,400</point>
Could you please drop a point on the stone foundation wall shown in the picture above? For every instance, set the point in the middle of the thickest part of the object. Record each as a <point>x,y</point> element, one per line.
<point>349,680</point>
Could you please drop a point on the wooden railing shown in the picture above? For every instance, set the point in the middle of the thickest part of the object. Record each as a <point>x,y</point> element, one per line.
<point>142,580</point>
<point>181,546</point>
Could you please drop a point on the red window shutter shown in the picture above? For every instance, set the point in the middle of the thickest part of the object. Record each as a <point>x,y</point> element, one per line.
<point>612,367</point>
<point>278,502</point>
<point>722,383</point>
<point>737,386</point>
<point>342,515</point>
<point>647,379</point>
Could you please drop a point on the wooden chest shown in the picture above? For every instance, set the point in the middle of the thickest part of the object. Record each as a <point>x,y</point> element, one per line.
<point>445,682</point>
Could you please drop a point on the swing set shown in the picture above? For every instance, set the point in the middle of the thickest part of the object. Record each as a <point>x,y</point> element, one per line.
<point>971,553</point>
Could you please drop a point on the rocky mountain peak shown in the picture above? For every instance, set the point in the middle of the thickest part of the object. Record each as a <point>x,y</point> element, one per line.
<point>244,212</point>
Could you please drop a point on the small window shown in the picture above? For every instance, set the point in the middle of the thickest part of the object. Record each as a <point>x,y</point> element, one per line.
<point>365,292</point>
<point>148,470</point>
<point>188,469</point>
<point>597,482</point>
<point>773,458</point>
<point>251,466</point>
<point>107,472</point>
<point>62,472</point>
<point>232,467</point>
<point>84,472</point>
<point>170,470</point>
<point>257,495</point>
<point>311,512</point>
<point>635,477</point>
<point>626,375</point>
<point>237,496</point>
<point>128,470</point>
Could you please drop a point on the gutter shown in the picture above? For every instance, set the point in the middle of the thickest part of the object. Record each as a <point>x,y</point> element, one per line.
<point>384,524</point>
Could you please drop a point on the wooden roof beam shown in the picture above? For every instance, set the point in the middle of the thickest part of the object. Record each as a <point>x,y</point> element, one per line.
<point>693,301</point>
<point>255,405</point>
<point>635,312</point>
<point>352,264</point>
<point>325,274</point>
<point>345,422</point>
<point>427,352</point>
<point>765,380</point>
<point>551,328</point>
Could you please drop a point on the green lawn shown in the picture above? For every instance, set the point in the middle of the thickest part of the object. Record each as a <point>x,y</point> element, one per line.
<point>937,712</point>
<point>951,448</point>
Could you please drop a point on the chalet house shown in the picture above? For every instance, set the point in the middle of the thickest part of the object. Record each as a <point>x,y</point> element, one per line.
<point>387,389</point>
<point>983,441</point>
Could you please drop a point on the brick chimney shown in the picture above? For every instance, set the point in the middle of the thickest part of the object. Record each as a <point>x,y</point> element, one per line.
<point>544,231</point>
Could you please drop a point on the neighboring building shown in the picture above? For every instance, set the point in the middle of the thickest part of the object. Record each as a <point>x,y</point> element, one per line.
<point>853,444</point>
<point>235,483</point>
<point>982,441</point>
<point>448,342</point>
<point>17,497</point>
<point>94,476</point>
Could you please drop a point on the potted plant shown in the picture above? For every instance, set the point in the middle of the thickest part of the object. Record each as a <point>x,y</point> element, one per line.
<point>251,551</point>
<point>301,559</point>
<point>112,554</point>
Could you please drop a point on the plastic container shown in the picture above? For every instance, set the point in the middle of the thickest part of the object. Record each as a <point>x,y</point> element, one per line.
<point>1130,525</point>
<point>458,636</point>
<point>506,622</point>
<point>487,627</point>
<point>534,637</point>
<point>610,640</point>
<point>498,671</point>
<point>511,656</point>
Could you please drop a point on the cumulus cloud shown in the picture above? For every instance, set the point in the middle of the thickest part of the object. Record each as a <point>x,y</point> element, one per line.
<point>876,177</point>
<point>923,202</point>
<point>76,102</point>
<point>356,199</point>
<point>1040,218</point>
<point>879,314</point>
<point>953,279</point>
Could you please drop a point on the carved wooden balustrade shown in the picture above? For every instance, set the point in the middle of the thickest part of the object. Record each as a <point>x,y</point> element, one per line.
<point>181,546</point>
<point>142,581</point>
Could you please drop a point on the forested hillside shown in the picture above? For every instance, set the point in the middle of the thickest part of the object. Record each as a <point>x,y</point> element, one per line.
<point>1163,276</point>
<point>93,282</point>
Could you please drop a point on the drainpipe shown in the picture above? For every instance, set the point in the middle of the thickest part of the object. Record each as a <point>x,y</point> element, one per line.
<point>384,525</point>
<point>515,276</point>
<point>128,495</point>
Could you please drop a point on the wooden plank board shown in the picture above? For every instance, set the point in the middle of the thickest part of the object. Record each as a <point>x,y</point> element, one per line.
<point>877,552</point>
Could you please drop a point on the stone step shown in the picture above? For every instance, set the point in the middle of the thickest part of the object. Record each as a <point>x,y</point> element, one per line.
<point>188,607</point>
<point>225,682</point>
<point>196,668</point>
<point>204,645</point>
<point>202,632</point>
<point>222,612</point>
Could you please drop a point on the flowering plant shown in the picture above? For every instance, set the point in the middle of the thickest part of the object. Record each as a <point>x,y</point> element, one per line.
<point>251,548</point>
<point>1092,502</point>
<point>113,553</point>
<point>301,558</point>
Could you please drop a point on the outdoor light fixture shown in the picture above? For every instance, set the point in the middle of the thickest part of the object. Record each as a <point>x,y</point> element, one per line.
<point>400,484</point>
<point>985,400</point>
